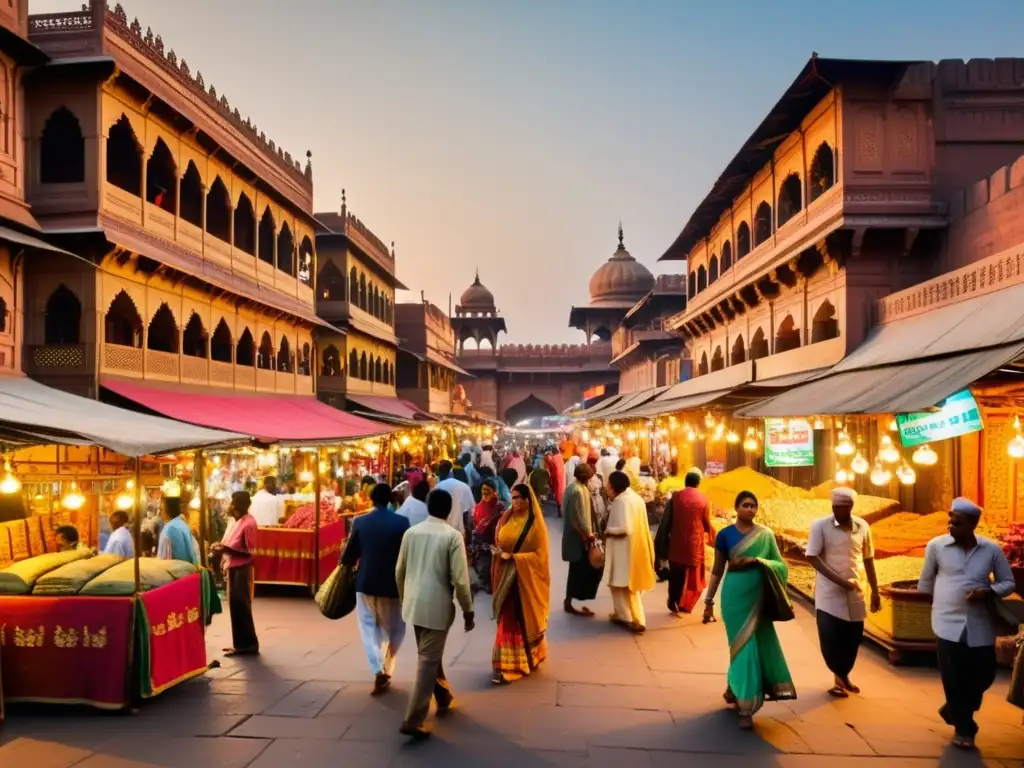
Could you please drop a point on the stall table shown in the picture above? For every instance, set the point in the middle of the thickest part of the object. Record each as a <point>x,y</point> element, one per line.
<point>285,555</point>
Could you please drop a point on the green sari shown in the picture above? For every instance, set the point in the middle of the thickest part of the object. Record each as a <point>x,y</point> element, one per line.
<point>751,599</point>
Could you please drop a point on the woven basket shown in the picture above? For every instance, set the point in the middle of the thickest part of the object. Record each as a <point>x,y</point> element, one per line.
<point>906,614</point>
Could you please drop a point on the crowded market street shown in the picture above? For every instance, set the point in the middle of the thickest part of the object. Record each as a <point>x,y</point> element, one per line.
<point>604,697</point>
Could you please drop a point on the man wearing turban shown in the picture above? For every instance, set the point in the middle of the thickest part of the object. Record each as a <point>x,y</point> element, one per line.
<point>841,551</point>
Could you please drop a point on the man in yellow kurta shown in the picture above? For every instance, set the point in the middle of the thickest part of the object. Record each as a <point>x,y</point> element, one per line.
<point>629,554</point>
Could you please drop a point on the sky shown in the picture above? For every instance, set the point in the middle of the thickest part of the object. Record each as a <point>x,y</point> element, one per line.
<point>513,135</point>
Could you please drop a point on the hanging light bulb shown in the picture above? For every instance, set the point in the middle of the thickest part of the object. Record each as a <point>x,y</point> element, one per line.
<point>690,435</point>
<point>750,444</point>
<point>732,438</point>
<point>842,476</point>
<point>1016,447</point>
<point>906,474</point>
<point>345,455</point>
<point>10,484</point>
<point>719,433</point>
<point>709,420</point>
<point>818,424</point>
<point>323,467</point>
<point>73,499</point>
<point>171,488</point>
<point>889,453</point>
<point>673,451</point>
<point>859,464</point>
<point>880,475</point>
<point>585,435</point>
<point>194,503</point>
<point>305,476</point>
<point>404,441</point>
<point>125,500</point>
<point>893,426</point>
<point>631,436</point>
<point>845,446</point>
<point>925,456</point>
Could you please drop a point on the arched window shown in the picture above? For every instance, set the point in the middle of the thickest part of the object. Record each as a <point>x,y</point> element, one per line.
<point>331,283</point>
<point>3,315</point>
<point>304,360</point>
<point>823,171</point>
<point>389,376</point>
<point>306,261</point>
<point>245,225</point>
<point>378,371</point>
<point>362,292</point>
<point>284,356</point>
<point>62,149</point>
<point>824,326</point>
<point>726,257</point>
<point>702,369</point>
<point>163,331</point>
<point>353,287</point>
<point>191,206</point>
<point>713,270</point>
<point>787,336</point>
<point>193,340</point>
<point>758,345</point>
<point>332,361</point>
<point>702,278</point>
<point>245,353</point>
<point>265,356</point>
<point>762,224</point>
<point>791,198</point>
<point>739,352</point>
<point>162,178</point>
<point>389,309</point>
<point>374,302</point>
<point>692,291</point>
<point>221,344</point>
<point>742,240</point>
<point>218,211</point>
<point>353,364</point>
<point>717,360</point>
<point>267,237</point>
<point>364,374</point>
<point>122,324</point>
<point>63,321</point>
<point>286,250</point>
<point>124,158</point>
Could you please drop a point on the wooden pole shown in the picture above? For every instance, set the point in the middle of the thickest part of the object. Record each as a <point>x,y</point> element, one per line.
<point>199,477</point>
<point>391,460</point>
<point>137,522</point>
<point>316,519</point>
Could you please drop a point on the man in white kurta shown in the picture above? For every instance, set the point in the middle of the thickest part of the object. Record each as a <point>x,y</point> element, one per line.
<point>267,506</point>
<point>629,554</point>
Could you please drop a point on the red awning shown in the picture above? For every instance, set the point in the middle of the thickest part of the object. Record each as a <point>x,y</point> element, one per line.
<point>267,417</point>
<point>390,406</point>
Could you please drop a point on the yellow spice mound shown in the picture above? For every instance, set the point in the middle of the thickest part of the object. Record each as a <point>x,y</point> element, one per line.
<point>722,490</point>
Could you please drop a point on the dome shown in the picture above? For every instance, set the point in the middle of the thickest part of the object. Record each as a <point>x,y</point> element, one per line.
<point>477,298</point>
<point>621,279</point>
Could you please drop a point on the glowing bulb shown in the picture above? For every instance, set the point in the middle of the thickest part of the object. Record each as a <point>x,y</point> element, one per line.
<point>844,447</point>
<point>171,489</point>
<point>819,424</point>
<point>305,476</point>
<point>10,484</point>
<point>323,467</point>
<point>893,426</point>
<point>750,445</point>
<point>339,472</point>
<point>404,441</point>
<point>673,451</point>
<point>925,456</point>
<point>345,456</point>
<point>73,499</point>
<point>194,503</point>
<point>889,453</point>
<point>1015,449</point>
<point>906,474</point>
<point>124,501</point>
<point>631,435</point>
<point>585,435</point>
<point>880,475</point>
<point>732,438</point>
<point>842,476</point>
<point>709,420</point>
<point>859,464</point>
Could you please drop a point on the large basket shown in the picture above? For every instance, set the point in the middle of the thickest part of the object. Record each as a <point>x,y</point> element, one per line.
<point>906,614</point>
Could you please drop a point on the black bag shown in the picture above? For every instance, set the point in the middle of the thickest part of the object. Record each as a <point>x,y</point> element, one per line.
<point>336,598</point>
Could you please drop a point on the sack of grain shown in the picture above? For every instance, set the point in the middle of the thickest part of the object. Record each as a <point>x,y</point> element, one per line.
<point>18,579</point>
<point>69,579</point>
<point>120,580</point>
<point>178,569</point>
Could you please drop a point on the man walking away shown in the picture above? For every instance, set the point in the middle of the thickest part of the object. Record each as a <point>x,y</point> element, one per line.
<point>431,569</point>
<point>841,551</point>
<point>463,500</point>
<point>629,555</point>
<point>374,544</point>
<point>578,538</point>
<point>236,549</point>
<point>956,573</point>
<point>682,535</point>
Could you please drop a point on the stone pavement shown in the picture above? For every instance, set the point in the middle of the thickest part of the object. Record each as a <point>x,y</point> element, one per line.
<point>603,698</point>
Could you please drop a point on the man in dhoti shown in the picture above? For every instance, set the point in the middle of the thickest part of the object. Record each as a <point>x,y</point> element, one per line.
<point>629,554</point>
<point>578,538</point>
<point>840,549</point>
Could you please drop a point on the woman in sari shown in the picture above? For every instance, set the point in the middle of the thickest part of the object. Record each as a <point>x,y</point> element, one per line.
<point>485,518</point>
<point>753,596</point>
<point>522,588</point>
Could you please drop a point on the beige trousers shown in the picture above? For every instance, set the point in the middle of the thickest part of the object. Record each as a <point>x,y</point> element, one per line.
<point>628,606</point>
<point>430,679</point>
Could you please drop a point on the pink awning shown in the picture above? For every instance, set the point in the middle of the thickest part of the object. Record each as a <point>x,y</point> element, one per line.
<point>390,406</point>
<point>267,417</point>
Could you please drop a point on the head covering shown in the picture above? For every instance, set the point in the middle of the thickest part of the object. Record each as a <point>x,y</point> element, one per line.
<point>965,506</point>
<point>843,496</point>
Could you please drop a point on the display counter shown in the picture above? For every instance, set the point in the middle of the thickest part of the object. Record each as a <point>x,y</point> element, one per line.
<point>285,555</point>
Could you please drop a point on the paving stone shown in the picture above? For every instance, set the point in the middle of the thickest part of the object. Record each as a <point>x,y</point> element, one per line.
<point>40,754</point>
<point>305,701</point>
<point>264,727</point>
<point>825,739</point>
<point>179,752</point>
<point>327,754</point>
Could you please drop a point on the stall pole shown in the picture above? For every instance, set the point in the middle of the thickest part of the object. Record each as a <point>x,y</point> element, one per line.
<point>199,475</point>
<point>316,519</point>
<point>137,522</point>
<point>391,460</point>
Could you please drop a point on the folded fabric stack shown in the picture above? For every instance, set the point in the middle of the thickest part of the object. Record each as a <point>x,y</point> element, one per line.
<point>36,541</point>
<point>18,579</point>
<point>69,579</point>
<point>19,540</point>
<point>6,556</point>
<point>178,569</point>
<point>120,580</point>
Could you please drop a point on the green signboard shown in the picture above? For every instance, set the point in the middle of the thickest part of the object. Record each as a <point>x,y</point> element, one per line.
<point>788,443</point>
<point>957,415</point>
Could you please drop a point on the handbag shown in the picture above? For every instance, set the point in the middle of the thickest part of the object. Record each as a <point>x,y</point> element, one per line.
<point>595,556</point>
<point>776,606</point>
<point>336,597</point>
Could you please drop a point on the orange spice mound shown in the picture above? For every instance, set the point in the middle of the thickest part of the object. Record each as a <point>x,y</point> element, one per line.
<point>908,533</point>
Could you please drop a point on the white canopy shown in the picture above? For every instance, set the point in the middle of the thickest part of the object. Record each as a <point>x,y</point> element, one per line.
<point>30,411</point>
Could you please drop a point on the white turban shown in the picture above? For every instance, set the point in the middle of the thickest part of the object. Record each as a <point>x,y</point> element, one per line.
<point>965,506</point>
<point>843,496</point>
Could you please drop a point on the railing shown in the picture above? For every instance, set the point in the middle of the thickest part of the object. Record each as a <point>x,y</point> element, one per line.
<point>122,359</point>
<point>162,364</point>
<point>284,381</point>
<point>58,358</point>
<point>195,368</point>
<point>222,373</point>
<point>245,377</point>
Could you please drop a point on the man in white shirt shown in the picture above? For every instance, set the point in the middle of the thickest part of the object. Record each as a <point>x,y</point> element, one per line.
<point>841,551</point>
<point>414,508</point>
<point>267,507</point>
<point>629,554</point>
<point>120,540</point>
<point>462,496</point>
<point>957,573</point>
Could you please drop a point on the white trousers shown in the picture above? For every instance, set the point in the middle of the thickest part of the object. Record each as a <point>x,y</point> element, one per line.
<point>382,630</point>
<point>628,606</point>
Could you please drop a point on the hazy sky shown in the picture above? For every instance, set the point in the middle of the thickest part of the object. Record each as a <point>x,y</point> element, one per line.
<point>512,136</point>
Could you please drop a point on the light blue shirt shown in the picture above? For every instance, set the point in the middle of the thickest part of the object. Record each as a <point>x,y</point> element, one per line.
<point>949,573</point>
<point>176,542</point>
<point>414,510</point>
<point>120,543</point>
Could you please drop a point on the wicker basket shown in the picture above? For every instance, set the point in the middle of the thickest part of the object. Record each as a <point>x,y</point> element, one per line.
<point>906,614</point>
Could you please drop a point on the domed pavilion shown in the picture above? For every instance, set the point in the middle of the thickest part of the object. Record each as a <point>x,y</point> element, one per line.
<point>476,317</point>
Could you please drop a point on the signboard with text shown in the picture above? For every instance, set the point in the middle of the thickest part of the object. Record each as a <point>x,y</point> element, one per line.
<point>788,443</point>
<point>957,415</point>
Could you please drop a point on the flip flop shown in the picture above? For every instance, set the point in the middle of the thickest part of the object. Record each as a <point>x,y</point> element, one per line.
<point>584,611</point>
<point>963,742</point>
<point>838,692</point>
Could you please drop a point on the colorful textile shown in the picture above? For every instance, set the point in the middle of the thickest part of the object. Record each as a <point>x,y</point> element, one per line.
<point>170,635</point>
<point>556,471</point>
<point>513,656</point>
<point>66,650</point>
<point>36,540</point>
<point>757,666</point>
<point>241,539</point>
<point>690,527</point>
<point>285,556</point>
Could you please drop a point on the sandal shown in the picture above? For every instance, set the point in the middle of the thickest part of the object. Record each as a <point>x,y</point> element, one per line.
<point>838,692</point>
<point>963,742</point>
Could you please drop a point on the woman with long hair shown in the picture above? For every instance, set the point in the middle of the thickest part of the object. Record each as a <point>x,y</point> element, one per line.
<point>753,597</point>
<point>521,580</point>
<point>485,518</point>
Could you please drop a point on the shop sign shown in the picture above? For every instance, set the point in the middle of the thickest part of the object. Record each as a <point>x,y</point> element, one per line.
<point>714,468</point>
<point>957,415</point>
<point>788,443</point>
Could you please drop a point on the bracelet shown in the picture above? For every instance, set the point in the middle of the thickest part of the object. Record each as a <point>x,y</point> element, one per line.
<point>709,601</point>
